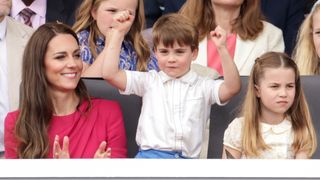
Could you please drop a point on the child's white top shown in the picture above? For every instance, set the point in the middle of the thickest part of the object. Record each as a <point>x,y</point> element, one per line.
<point>174,111</point>
<point>278,137</point>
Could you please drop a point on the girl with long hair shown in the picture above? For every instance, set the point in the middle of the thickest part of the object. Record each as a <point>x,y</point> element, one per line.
<point>275,122</point>
<point>307,50</point>
<point>94,20</point>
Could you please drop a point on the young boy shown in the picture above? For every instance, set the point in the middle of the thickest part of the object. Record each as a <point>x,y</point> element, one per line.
<point>176,101</point>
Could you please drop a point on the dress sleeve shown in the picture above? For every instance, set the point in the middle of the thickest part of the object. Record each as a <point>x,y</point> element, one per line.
<point>233,134</point>
<point>116,132</point>
<point>85,52</point>
<point>10,142</point>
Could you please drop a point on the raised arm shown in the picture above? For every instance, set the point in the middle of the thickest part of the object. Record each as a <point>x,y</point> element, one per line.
<point>232,84</point>
<point>110,66</point>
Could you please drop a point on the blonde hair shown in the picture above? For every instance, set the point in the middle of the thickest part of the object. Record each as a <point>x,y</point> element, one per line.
<point>84,20</point>
<point>248,25</point>
<point>304,133</point>
<point>305,53</point>
<point>172,28</point>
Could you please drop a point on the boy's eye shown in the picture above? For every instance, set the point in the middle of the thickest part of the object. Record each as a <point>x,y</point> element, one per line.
<point>180,51</point>
<point>163,51</point>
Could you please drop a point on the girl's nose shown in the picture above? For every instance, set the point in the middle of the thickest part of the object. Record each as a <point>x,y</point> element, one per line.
<point>283,92</point>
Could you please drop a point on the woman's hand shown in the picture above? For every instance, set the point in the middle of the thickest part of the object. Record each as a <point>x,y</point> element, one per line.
<point>58,152</point>
<point>103,151</point>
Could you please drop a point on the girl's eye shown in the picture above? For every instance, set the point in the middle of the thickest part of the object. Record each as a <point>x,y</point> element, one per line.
<point>112,10</point>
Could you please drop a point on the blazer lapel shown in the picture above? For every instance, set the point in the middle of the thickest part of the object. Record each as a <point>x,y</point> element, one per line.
<point>202,58</point>
<point>242,52</point>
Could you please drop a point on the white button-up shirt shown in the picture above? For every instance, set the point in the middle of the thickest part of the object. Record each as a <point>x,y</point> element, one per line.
<point>174,111</point>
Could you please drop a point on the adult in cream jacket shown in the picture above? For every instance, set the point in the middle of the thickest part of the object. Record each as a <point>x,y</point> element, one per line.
<point>243,19</point>
<point>270,39</point>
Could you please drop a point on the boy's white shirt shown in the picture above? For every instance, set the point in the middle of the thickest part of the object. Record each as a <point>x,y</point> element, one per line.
<point>174,112</point>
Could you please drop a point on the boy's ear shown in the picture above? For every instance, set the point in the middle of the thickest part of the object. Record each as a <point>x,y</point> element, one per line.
<point>155,51</point>
<point>195,54</point>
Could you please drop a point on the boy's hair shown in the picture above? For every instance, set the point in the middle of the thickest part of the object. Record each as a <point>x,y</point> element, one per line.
<point>298,113</point>
<point>172,28</point>
<point>305,53</point>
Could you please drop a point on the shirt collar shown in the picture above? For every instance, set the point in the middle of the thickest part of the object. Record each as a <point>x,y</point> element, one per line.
<point>3,28</point>
<point>189,78</point>
<point>38,6</point>
<point>284,126</point>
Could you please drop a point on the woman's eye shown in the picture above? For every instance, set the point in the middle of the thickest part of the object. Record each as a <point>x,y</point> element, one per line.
<point>77,56</point>
<point>59,57</point>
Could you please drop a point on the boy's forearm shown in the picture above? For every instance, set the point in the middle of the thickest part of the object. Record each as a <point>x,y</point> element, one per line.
<point>111,59</point>
<point>231,73</point>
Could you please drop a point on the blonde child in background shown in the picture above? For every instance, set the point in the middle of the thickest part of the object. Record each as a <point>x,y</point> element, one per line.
<point>276,122</point>
<point>93,23</point>
<point>176,101</point>
<point>307,50</point>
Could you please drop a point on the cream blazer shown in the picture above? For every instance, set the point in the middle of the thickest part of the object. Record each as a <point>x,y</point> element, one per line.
<point>17,37</point>
<point>270,39</point>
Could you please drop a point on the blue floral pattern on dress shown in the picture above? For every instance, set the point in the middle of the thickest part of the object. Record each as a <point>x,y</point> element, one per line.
<point>128,56</point>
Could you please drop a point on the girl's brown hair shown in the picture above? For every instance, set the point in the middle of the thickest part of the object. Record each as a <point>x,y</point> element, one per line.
<point>36,108</point>
<point>304,133</point>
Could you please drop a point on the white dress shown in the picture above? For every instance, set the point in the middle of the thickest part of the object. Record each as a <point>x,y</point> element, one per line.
<point>278,137</point>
